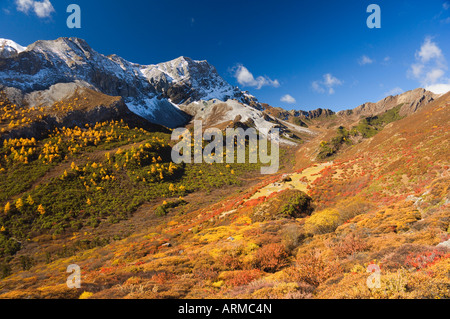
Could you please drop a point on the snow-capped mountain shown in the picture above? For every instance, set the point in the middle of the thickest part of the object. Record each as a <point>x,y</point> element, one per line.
<point>9,48</point>
<point>154,92</point>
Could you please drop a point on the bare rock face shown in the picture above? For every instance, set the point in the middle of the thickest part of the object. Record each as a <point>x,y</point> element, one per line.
<point>312,114</point>
<point>410,102</point>
<point>298,116</point>
<point>151,91</point>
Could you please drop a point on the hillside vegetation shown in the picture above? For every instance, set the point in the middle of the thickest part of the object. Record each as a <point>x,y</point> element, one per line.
<point>108,198</point>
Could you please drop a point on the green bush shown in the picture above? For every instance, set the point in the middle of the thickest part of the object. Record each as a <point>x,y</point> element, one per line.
<point>298,205</point>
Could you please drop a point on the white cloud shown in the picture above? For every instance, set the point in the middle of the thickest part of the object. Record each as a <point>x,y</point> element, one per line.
<point>246,78</point>
<point>417,70</point>
<point>446,5</point>
<point>428,51</point>
<point>288,99</point>
<point>430,67</point>
<point>43,9</point>
<point>326,85</point>
<point>365,60</point>
<point>24,5</point>
<point>317,87</point>
<point>331,80</point>
<point>434,75</point>
<point>439,88</point>
<point>386,61</point>
<point>394,91</point>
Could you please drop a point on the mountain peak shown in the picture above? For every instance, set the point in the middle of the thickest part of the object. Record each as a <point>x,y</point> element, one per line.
<point>9,48</point>
<point>154,91</point>
<point>62,44</point>
<point>409,101</point>
<point>189,60</point>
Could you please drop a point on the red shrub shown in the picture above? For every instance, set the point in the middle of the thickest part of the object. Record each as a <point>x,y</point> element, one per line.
<point>256,201</point>
<point>243,277</point>
<point>425,259</point>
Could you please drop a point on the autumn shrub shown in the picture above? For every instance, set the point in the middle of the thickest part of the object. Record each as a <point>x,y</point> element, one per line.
<point>296,204</point>
<point>205,272</point>
<point>242,277</point>
<point>86,295</point>
<point>292,235</point>
<point>163,277</point>
<point>286,204</point>
<point>349,244</point>
<point>314,269</point>
<point>433,283</point>
<point>282,290</point>
<point>425,259</point>
<point>322,222</point>
<point>271,257</point>
<point>231,258</point>
<point>352,207</point>
<point>246,291</point>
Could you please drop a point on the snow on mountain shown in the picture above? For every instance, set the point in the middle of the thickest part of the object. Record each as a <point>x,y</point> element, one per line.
<point>218,113</point>
<point>199,76</point>
<point>157,92</point>
<point>10,48</point>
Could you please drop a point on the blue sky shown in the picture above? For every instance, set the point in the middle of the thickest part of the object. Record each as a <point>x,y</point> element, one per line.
<point>294,54</point>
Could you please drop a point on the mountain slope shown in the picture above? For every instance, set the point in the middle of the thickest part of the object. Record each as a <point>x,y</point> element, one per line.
<point>151,91</point>
<point>9,48</point>
<point>383,202</point>
<point>411,101</point>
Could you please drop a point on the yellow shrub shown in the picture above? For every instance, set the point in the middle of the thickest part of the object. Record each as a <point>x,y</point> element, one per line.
<point>322,222</point>
<point>86,295</point>
<point>217,284</point>
<point>19,203</point>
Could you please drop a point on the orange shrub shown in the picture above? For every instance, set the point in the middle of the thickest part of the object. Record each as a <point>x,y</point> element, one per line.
<point>271,257</point>
<point>349,245</point>
<point>231,259</point>
<point>163,277</point>
<point>243,277</point>
<point>314,269</point>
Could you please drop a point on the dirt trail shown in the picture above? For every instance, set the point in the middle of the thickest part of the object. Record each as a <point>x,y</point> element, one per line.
<point>297,181</point>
